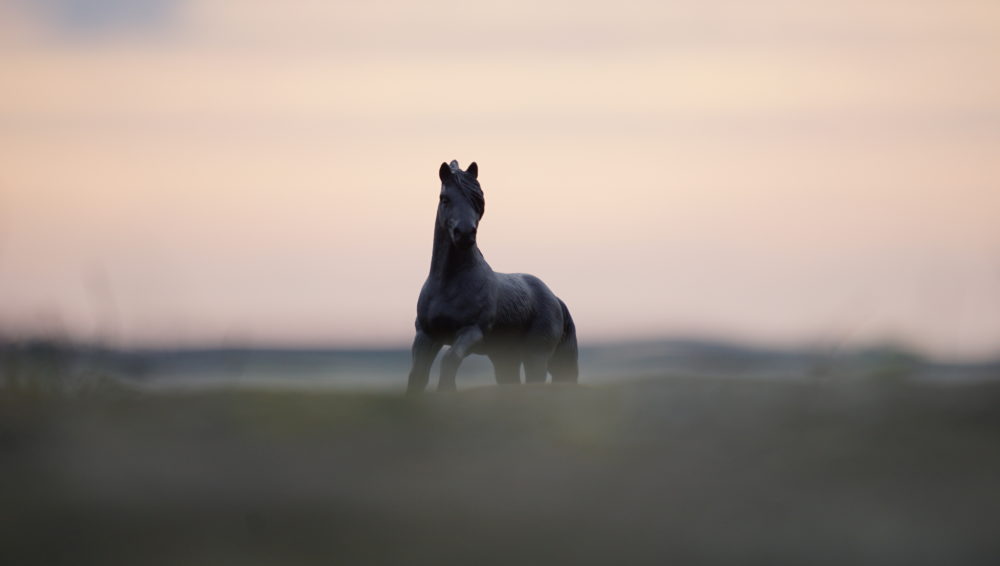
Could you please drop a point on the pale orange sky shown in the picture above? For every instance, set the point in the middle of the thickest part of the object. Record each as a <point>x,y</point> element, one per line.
<point>776,172</point>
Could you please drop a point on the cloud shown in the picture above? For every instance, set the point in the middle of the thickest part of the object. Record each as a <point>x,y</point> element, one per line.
<point>97,18</point>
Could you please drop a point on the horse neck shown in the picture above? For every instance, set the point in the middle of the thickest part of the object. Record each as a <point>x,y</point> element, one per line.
<point>448,260</point>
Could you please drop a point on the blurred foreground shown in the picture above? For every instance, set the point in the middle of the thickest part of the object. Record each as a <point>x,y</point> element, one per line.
<point>682,470</point>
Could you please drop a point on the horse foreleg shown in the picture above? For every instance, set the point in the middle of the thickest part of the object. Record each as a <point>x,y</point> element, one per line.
<point>424,351</point>
<point>466,339</point>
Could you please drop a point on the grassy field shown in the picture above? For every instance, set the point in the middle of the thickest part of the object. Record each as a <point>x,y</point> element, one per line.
<point>671,470</point>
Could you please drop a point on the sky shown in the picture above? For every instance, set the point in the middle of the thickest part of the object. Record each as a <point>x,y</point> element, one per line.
<point>781,173</point>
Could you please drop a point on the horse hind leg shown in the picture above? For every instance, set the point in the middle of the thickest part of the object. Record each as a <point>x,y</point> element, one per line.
<point>564,369</point>
<point>507,368</point>
<point>536,366</point>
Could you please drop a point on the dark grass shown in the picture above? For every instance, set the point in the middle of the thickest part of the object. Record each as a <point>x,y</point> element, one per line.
<point>698,470</point>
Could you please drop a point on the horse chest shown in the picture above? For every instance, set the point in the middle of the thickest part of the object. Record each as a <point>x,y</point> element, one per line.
<point>452,307</point>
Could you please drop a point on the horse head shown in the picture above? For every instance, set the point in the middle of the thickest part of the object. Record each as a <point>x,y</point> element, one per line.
<point>461,204</point>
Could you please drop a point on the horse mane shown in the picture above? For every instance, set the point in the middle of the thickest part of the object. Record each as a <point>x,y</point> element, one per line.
<point>470,187</point>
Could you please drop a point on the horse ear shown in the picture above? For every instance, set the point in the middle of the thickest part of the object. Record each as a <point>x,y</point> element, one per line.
<point>473,170</point>
<point>444,172</point>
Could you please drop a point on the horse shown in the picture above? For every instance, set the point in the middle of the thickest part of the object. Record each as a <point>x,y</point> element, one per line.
<point>513,318</point>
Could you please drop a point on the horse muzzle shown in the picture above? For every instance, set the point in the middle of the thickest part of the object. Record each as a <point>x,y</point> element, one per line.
<point>463,237</point>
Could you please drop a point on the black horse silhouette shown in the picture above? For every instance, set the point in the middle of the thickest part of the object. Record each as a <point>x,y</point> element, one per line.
<point>511,317</point>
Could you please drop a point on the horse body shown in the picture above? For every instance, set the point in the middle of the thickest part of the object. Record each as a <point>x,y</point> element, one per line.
<point>513,318</point>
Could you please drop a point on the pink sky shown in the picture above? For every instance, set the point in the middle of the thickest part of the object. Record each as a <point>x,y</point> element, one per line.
<point>777,172</point>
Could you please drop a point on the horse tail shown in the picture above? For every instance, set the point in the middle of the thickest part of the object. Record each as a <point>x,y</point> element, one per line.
<point>563,365</point>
